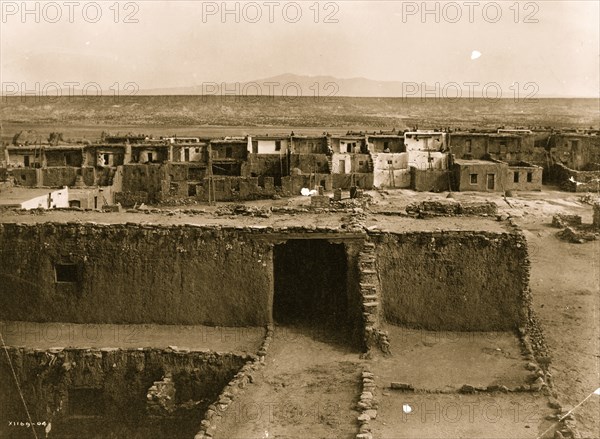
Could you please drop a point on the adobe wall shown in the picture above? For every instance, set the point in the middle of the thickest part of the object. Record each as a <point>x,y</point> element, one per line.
<point>153,179</point>
<point>135,274</point>
<point>456,281</point>
<point>584,155</point>
<point>462,176</point>
<point>395,174</point>
<point>346,181</point>
<point>310,163</point>
<point>429,180</point>
<point>59,176</point>
<point>294,183</point>
<point>523,185</point>
<point>218,276</point>
<point>271,165</point>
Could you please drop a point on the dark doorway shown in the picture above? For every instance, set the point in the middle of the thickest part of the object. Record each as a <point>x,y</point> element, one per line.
<point>491,182</point>
<point>310,283</point>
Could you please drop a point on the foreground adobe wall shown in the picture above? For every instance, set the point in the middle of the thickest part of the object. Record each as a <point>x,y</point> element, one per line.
<point>465,281</point>
<point>131,273</point>
<point>134,274</point>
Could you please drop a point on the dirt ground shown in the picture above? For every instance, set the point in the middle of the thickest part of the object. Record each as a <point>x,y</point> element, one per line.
<point>452,416</point>
<point>445,361</point>
<point>307,389</point>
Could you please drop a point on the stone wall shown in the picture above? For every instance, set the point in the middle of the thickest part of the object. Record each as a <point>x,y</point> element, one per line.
<point>574,181</point>
<point>455,281</point>
<point>104,391</point>
<point>28,177</point>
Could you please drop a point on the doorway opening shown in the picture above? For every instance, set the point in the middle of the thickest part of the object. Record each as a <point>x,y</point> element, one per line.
<point>311,285</point>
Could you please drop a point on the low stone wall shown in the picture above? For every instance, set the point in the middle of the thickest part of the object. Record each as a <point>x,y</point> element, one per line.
<point>215,412</point>
<point>574,181</point>
<point>367,405</point>
<point>451,208</point>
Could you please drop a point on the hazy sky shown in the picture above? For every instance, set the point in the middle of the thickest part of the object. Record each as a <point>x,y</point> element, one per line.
<point>184,43</point>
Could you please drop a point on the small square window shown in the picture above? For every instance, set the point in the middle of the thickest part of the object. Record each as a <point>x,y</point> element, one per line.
<point>529,177</point>
<point>473,178</point>
<point>389,162</point>
<point>516,177</point>
<point>66,273</point>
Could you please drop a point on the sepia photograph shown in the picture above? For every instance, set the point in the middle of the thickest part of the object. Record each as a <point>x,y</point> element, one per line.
<point>272,219</point>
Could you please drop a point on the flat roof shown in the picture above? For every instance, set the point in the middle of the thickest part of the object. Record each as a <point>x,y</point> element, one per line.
<point>475,162</point>
<point>278,220</point>
<point>24,148</point>
<point>244,141</point>
<point>271,137</point>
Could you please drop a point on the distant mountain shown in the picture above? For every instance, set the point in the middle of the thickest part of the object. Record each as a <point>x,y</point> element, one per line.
<point>290,84</point>
<point>322,86</point>
<point>296,85</point>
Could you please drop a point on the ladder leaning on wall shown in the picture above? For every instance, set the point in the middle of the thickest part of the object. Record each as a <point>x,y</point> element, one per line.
<point>212,198</point>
